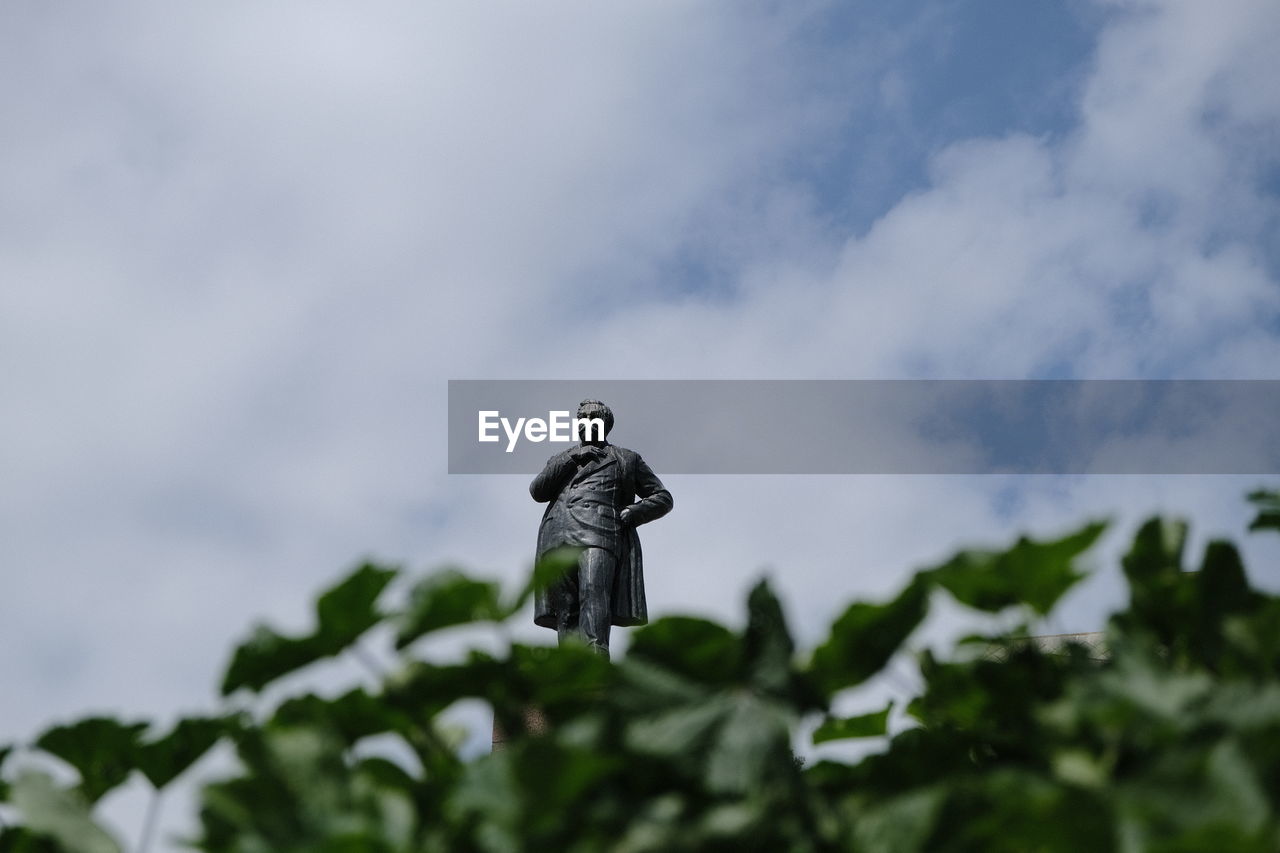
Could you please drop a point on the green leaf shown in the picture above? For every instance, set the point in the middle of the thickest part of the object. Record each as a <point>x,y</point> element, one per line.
<point>296,794</point>
<point>102,749</point>
<point>751,745</point>
<point>694,648</point>
<point>864,638</point>
<point>488,793</point>
<point>61,814</point>
<point>1244,707</point>
<point>349,609</point>
<point>1156,553</point>
<point>899,824</point>
<point>1160,594</point>
<point>424,689</point>
<point>556,677</point>
<point>354,715</point>
<point>1220,591</point>
<point>1221,584</point>
<point>645,688</point>
<point>164,759</point>
<point>343,613</point>
<point>1240,796</point>
<point>766,644</point>
<point>549,568</point>
<point>4,786</point>
<point>445,599</point>
<point>266,656</point>
<point>1268,503</point>
<point>681,731</point>
<point>1151,688</point>
<point>1030,572</point>
<point>17,839</point>
<point>874,724</point>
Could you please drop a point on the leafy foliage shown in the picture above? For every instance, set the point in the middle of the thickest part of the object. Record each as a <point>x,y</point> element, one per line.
<point>873,724</point>
<point>1167,741</point>
<point>1268,503</point>
<point>102,749</point>
<point>164,759</point>
<point>343,613</point>
<point>448,598</point>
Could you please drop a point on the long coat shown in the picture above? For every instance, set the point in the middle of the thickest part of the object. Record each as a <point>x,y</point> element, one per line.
<point>583,505</point>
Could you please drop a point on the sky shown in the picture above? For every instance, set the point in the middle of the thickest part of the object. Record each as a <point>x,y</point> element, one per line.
<point>244,246</point>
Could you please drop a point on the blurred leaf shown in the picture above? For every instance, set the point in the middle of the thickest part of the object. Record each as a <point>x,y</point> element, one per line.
<point>766,643</point>
<point>344,612</point>
<point>299,792</point>
<point>354,715</point>
<point>1156,551</point>
<point>644,687</point>
<point>1255,637</point>
<point>549,568</point>
<point>1030,572</point>
<point>1243,801</point>
<point>866,636</point>
<point>900,824</point>
<point>548,797</point>
<point>1268,503</point>
<point>694,648</point>
<point>727,822</point>
<point>1160,593</point>
<point>266,656</point>
<point>4,786</point>
<point>1221,584</point>
<point>17,839</point>
<point>1157,693</point>
<point>60,814</point>
<point>874,724</point>
<point>102,749</point>
<point>1013,809</point>
<point>560,680</point>
<point>424,689</point>
<point>752,745</point>
<point>488,796</point>
<point>387,773</point>
<point>684,731</point>
<point>448,598</point>
<point>1217,592</point>
<point>349,609</point>
<point>165,759</point>
<point>1243,707</point>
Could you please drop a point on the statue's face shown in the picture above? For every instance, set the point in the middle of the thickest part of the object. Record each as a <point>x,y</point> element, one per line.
<point>591,412</point>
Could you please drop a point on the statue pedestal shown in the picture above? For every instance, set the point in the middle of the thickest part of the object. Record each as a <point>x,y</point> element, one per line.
<point>534,723</point>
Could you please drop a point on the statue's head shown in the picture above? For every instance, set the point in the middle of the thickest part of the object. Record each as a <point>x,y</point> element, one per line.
<point>596,409</point>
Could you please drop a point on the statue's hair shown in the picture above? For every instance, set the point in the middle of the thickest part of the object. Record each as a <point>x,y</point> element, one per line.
<point>601,410</point>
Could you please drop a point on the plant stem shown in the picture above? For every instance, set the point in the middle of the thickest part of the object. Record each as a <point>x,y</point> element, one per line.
<point>149,822</point>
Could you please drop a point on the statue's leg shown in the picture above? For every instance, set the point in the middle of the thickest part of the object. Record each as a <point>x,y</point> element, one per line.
<point>595,597</point>
<point>564,598</point>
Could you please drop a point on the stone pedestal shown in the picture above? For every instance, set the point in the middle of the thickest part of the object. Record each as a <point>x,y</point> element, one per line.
<point>534,723</point>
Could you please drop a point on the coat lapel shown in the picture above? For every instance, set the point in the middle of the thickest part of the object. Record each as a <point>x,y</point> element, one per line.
<point>610,458</point>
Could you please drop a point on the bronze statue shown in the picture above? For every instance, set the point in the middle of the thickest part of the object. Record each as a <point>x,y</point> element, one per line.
<point>598,494</point>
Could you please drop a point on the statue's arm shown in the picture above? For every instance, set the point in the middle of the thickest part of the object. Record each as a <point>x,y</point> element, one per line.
<point>654,499</point>
<point>552,478</point>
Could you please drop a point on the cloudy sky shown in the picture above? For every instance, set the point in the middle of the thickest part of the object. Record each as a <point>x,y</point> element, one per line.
<point>245,245</point>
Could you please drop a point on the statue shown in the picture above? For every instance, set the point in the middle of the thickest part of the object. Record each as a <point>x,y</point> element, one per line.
<point>598,494</point>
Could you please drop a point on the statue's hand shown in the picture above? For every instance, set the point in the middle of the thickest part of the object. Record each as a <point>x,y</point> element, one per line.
<point>586,453</point>
<point>625,516</point>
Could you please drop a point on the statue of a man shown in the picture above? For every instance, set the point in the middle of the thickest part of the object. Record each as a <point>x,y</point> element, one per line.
<point>598,494</point>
